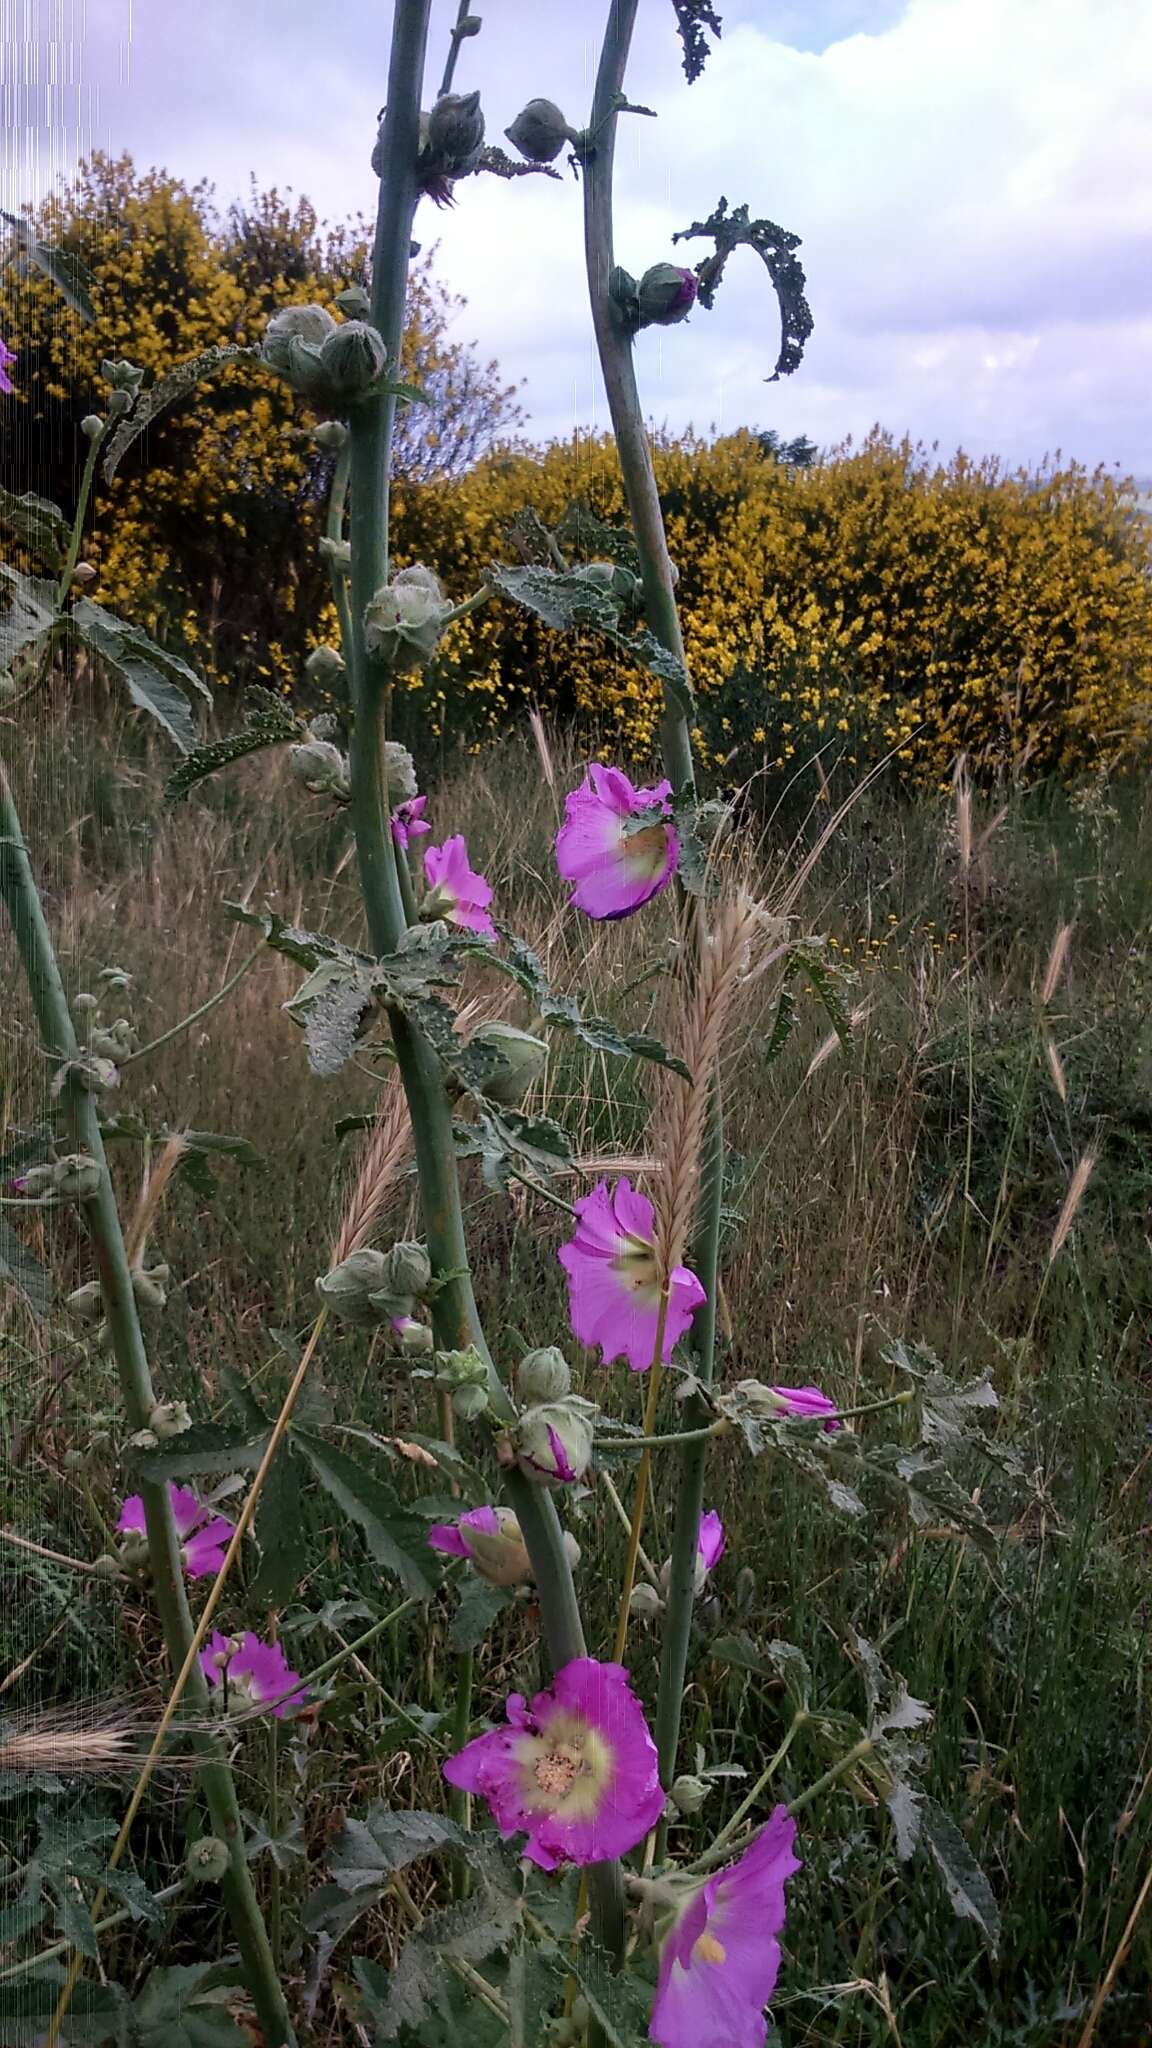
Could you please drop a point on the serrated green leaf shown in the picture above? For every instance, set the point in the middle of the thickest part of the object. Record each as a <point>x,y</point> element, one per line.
<point>280,1529</point>
<point>151,403</point>
<point>396,1539</point>
<point>305,947</point>
<point>263,729</point>
<point>38,525</point>
<point>64,269</point>
<point>20,1268</point>
<point>369,1852</point>
<point>477,1608</point>
<point>154,677</point>
<point>567,601</point>
<point>207,1450</point>
<point>969,1891</point>
<point>30,615</point>
<point>471,1931</point>
<point>179,2009</point>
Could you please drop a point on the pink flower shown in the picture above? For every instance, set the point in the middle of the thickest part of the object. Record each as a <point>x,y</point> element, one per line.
<point>807,1401</point>
<point>711,1541</point>
<point>491,1541</point>
<point>719,1963</point>
<point>256,1673</point>
<point>6,357</point>
<point>575,1771</point>
<point>613,1281</point>
<point>615,871</point>
<point>204,1537</point>
<point>456,891</point>
<point>408,821</point>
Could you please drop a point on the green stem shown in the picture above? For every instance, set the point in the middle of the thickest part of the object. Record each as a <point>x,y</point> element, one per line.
<point>674,1436</point>
<point>185,1023</point>
<point>102,1220</point>
<point>752,1798</point>
<point>73,554</point>
<point>334,529</point>
<point>853,1756</point>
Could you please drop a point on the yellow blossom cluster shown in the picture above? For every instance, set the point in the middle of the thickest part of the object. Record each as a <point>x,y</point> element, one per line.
<point>874,601</point>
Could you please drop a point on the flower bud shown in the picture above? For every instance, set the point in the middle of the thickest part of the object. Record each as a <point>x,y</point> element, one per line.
<point>37,1181</point>
<point>624,294</point>
<point>86,1303</point>
<point>666,294</point>
<point>352,359</point>
<point>134,1555</point>
<point>208,1860</point>
<point>87,1071</point>
<point>403,622</point>
<point>645,1601</point>
<point>77,1176</point>
<point>294,327</point>
<point>92,426</point>
<point>114,1041</point>
<point>150,1286</point>
<point>338,552</point>
<point>74,1460</point>
<point>554,1441</point>
<point>321,768</point>
<point>399,773</point>
<point>8,686</point>
<point>348,1288</point>
<point>354,302</point>
<point>461,1368</point>
<point>713,821</point>
<point>116,977</point>
<point>688,1795</point>
<point>169,1419</point>
<point>330,435</point>
<point>106,1566</point>
<point>122,375</point>
<point>543,1376</point>
<point>456,133</point>
<point>84,573</point>
<point>411,1339</point>
<point>539,132</point>
<point>85,1001</point>
<point>469,1402</point>
<point>521,1061</point>
<point>119,403</point>
<point>498,1555</point>
<point>323,665</point>
<point>409,1269</point>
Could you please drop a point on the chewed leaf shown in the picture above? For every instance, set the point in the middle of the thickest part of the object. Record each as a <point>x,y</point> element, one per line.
<point>969,1891</point>
<point>152,402</point>
<point>571,601</point>
<point>775,246</point>
<point>264,728</point>
<point>696,19</point>
<point>155,678</point>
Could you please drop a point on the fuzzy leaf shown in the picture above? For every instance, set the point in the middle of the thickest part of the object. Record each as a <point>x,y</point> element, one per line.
<point>969,1891</point>
<point>477,1609</point>
<point>334,1015</point>
<point>394,1536</point>
<point>524,967</point>
<point>620,2002</point>
<point>152,675</point>
<point>30,616</point>
<point>268,728</point>
<point>179,2009</point>
<point>777,1660</point>
<point>473,1930</point>
<point>905,1805</point>
<point>306,948</point>
<point>21,1269</point>
<point>580,529</point>
<point>775,246</point>
<point>568,602</point>
<point>388,1839</point>
<point>60,266</point>
<point>151,403</point>
<point>38,525</point>
<point>206,1451</point>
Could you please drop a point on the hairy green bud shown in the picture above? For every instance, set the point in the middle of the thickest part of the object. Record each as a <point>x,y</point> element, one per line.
<point>688,1794</point>
<point>324,665</point>
<point>455,135</point>
<point>543,1375</point>
<point>92,426</point>
<point>208,1860</point>
<point>645,1601</point>
<point>352,359</point>
<point>539,132</point>
<point>122,375</point>
<point>86,1303</point>
<point>77,1176</point>
<point>553,1440</point>
<point>461,1368</point>
<point>666,294</point>
<point>409,1269</point>
<point>330,435</point>
<point>321,768</point>
<point>404,620</point>
<point>169,1419</point>
<point>348,1288</point>
<point>522,1060</point>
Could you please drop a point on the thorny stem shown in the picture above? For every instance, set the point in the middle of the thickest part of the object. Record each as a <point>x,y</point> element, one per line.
<point>102,1220</point>
<point>456,1319</point>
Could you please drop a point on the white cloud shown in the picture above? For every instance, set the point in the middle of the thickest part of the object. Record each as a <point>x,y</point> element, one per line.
<point>971,181</point>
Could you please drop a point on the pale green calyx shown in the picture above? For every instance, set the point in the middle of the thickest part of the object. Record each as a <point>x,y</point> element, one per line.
<point>522,1059</point>
<point>540,131</point>
<point>169,1419</point>
<point>543,1375</point>
<point>405,619</point>
<point>321,768</point>
<point>348,1289</point>
<point>207,1860</point>
<point>323,665</point>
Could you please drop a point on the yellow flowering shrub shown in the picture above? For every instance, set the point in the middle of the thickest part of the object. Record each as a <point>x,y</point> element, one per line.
<point>871,599</point>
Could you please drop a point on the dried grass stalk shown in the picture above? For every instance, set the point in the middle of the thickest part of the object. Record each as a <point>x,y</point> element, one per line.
<point>1057,961</point>
<point>1077,1188</point>
<point>151,1197</point>
<point>382,1160</point>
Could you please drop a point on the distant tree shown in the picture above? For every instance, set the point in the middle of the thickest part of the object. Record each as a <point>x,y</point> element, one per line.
<point>217,510</point>
<point>798,454</point>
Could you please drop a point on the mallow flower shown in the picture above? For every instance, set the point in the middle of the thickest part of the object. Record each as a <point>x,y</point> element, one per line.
<point>256,1672</point>
<point>409,822</point>
<point>6,357</point>
<point>491,1541</point>
<point>575,1771</point>
<point>455,891</point>
<point>613,1278</point>
<point>711,1543</point>
<point>204,1537</point>
<point>615,870</point>
<point>807,1401</point>
<point>721,1957</point>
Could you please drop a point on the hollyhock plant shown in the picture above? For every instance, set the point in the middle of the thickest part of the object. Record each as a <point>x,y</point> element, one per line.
<point>807,1401</point>
<point>613,1279</point>
<point>490,1539</point>
<point>615,870</point>
<point>6,357</point>
<point>711,1541</point>
<point>256,1673</point>
<point>455,890</point>
<point>204,1537</point>
<point>719,1962</point>
<point>409,822</point>
<point>575,1771</point>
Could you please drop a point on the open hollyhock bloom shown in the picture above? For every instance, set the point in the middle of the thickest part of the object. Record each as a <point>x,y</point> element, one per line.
<point>575,1771</point>
<point>409,822</point>
<point>256,1672</point>
<point>491,1541</point>
<point>456,891</point>
<point>615,870</point>
<point>613,1279</point>
<point>204,1537</point>
<point>720,1960</point>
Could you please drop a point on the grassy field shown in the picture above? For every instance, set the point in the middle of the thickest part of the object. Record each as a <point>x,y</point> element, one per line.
<point>912,1187</point>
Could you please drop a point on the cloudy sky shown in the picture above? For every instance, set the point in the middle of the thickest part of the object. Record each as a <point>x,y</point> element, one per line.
<point>972,180</point>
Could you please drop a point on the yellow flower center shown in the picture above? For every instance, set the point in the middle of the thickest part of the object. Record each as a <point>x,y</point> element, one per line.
<point>706,1949</point>
<point>645,851</point>
<point>564,1770</point>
